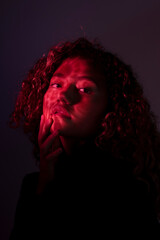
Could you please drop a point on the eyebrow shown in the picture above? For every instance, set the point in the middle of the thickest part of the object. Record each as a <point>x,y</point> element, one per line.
<point>89,78</point>
<point>58,75</point>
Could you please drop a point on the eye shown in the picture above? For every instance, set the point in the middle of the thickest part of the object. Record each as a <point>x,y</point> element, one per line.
<point>55,85</point>
<point>85,90</point>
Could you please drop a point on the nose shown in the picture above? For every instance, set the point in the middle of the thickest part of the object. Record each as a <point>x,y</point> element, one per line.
<point>69,95</point>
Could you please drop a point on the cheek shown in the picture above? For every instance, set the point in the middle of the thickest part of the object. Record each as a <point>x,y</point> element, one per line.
<point>83,108</point>
<point>92,111</point>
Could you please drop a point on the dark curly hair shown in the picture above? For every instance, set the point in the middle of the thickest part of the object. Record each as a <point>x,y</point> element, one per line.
<point>129,129</point>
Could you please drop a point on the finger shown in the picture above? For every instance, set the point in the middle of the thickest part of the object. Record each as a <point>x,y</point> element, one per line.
<point>45,130</point>
<point>41,126</point>
<point>46,122</point>
<point>46,127</point>
<point>54,154</point>
<point>48,142</point>
<point>55,125</point>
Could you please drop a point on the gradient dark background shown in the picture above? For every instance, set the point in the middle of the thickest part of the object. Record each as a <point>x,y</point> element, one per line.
<point>130,28</point>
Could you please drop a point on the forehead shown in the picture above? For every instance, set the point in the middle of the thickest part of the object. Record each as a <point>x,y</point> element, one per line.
<point>78,66</point>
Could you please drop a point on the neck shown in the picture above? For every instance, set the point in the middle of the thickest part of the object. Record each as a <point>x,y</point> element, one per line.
<point>70,144</point>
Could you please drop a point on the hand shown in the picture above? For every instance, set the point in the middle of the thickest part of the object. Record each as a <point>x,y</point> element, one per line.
<point>50,149</point>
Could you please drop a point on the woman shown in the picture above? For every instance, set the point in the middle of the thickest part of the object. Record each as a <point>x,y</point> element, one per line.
<point>96,142</point>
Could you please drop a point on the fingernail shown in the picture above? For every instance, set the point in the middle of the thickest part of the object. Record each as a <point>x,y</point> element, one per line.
<point>49,121</point>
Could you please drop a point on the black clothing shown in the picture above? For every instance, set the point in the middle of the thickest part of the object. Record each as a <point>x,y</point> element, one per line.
<point>93,195</point>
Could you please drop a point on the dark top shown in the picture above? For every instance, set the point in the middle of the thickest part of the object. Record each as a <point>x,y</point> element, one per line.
<point>93,195</point>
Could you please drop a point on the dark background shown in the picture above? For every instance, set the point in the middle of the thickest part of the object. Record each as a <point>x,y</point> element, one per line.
<point>130,28</point>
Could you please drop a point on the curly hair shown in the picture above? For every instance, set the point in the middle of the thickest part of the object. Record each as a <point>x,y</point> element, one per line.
<point>129,129</point>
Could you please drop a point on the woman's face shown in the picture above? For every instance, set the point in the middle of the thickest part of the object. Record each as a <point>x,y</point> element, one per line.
<point>76,99</point>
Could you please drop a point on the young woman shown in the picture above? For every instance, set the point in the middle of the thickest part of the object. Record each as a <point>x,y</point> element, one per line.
<point>97,145</point>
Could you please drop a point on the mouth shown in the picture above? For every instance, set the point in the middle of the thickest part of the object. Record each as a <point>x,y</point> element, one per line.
<point>60,111</point>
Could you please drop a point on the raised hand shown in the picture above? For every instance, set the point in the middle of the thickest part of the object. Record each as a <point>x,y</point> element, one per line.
<point>50,149</point>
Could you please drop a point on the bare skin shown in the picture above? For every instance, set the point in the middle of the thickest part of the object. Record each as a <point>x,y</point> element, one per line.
<point>73,106</point>
<point>50,149</point>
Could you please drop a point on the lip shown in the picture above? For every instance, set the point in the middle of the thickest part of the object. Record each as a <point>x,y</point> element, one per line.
<point>61,111</point>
